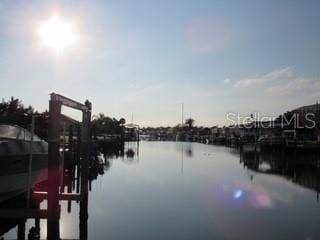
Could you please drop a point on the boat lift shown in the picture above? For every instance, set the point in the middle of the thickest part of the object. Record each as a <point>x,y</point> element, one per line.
<point>55,104</point>
<point>53,196</point>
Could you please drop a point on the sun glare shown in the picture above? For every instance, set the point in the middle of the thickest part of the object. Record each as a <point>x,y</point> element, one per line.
<point>57,34</point>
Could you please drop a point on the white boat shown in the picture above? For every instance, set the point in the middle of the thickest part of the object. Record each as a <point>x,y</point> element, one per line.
<point>250,147</point>
<point>271,140</point>
<point>15,148</point>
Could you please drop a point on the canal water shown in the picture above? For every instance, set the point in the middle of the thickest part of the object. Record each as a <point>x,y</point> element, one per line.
<point>172,190</point>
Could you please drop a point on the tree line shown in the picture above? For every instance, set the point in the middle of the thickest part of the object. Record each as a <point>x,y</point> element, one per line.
<point>13,111</point>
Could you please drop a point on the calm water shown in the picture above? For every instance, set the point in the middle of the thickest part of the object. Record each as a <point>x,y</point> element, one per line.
<point>175,190</point>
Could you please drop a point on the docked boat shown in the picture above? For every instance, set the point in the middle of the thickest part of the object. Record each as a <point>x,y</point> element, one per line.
<point>250,147</point>
<point>271,140</point>
<point>15,149</point>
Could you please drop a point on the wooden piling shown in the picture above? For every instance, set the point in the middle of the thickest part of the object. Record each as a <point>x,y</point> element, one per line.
<point>85,145</point>
<point>53,167</point>
<point>21,234</point>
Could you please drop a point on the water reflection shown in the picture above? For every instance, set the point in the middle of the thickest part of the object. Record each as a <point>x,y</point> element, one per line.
<point>131,153</point>
<point>188,151</point>
<point>194,191</point>
<point>20,218</point>
<point>184,148</point>
<point>206,196</point>
<point>302,169</point>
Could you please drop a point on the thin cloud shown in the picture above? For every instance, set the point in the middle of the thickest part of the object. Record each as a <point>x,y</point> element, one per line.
<point>272,93</point>
<point>280,82</point>
<point>274,76</point>
<point>227,80</point>
<point>295,86</point>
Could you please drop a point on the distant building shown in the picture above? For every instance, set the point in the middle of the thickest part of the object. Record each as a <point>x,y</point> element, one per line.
<point>315,108</point>
<point>305,120</point>
<point>308,116</point>
<point>131,132</point>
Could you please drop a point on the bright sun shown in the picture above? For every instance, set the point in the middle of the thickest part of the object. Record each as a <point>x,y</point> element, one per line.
<point>57,34</point>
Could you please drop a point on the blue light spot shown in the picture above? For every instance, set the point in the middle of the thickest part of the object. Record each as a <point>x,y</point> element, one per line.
<point>237,194</point>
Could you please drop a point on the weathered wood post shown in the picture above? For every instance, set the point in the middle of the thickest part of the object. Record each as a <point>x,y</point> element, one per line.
<point>37,221</point>
<point>30,161</point>
<point>78,158</point>
<point>85,144</point>
<point>78,143</point>
<point>70,138</point>
<point>53,168</point>
<point>69,187</point>
<point>70,158</point>
<point>21,234</point>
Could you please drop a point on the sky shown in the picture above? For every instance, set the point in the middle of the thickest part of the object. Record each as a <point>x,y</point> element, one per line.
<point>146,58</point>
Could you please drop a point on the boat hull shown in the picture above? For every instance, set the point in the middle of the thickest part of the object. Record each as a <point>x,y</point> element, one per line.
<point>15,176</point>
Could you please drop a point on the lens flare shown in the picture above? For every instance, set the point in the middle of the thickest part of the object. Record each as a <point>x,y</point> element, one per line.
<point>237,194</point>
<point>260,200</point>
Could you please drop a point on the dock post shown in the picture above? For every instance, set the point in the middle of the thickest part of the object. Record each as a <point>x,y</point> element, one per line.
<point>69,188</point>
<point>30,162</point>
<point>70,139</point>
<point>78,158</point>
<point>21,235</point>
<point>83,219</point>
<point>85,143</point>
<point>78,144</point>
<point>37,221</point>
<point>53,168</point>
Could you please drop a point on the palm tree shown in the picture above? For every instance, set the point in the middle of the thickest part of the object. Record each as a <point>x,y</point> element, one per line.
<point>122,121</point>
<point>190,122</point>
